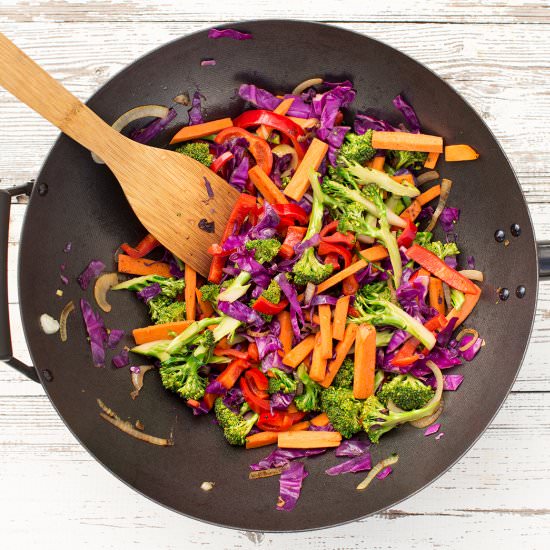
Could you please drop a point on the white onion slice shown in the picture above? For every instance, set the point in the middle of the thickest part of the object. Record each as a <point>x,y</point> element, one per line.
<point>67,310</point>
<point>102,285</point>
<point>49,324</point>
<point>306,84</point>
<point>137,379</point>
<point>376,470</point>
<point>472,274</point>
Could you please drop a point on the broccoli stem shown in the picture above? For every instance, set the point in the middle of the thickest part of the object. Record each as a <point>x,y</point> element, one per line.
<point>381,179</point>
<point>317,209</point>
<point>237,289</point>
<point>191,332</point>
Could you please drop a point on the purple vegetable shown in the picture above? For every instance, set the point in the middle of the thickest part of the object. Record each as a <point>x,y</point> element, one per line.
<point>245,262</point>
<point>149,292</point>
<point>229,33</point>
<point>274,361</point>
<point>451,382</point>
<point>266,227</point>
<point>64,279</point>
<point>260,97</point>
<point>96,332</point>
<point>242,313</point>
<point>215,387</point>
<point>154,128</point>
<point>471,261</point>
<point>233,399</point>
<point>95,267</point>
<point>451,261</point>
<point>268,344</point>
<point>426,213</point>
<point>356,464</point>
<point>115,336</point>
<point>449,217</point>
<point>398,338</point>
<point>323,299</point>
<point>472,351</point>
<point>433,429</point>
<point>239,176</point>
<point>121,360</point>
<point>444,358</point>
<point>412,297</point>
<point>385,472</point>
<point>352,447</point>
<point>208,187</point>
<point>295,309</point>
<point>201,409</point>
<point>364,122</point>
<point>444,336</point>
<point>301,247</point>
<point>280,401</point>
<point>281,457</point>
<point>208,63</point>
<point>135,370</point>
<point>280,165</point>
<point>334,136</point>
<point>301,106</point>
<point>195,113</point>
<point>408,112</point>
<point>290,485</point>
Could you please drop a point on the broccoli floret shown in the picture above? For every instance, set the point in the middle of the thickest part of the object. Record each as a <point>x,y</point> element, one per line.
<point>181,375</point>
<point>308,400</point>
<point>407,159</point>
<point>164,310</point>
<point>342,409</point>
<point>373,305</point>
<point>198,150</point>
<point>442,250</point>
<point>405,391</point>
<point>281,381</point>
<point>377,419</point>
<point>210,293</point>
<point>309,269</point>
<point>235,426</point>
<point>423,238</point>
<point>264,249</point>
<point>273,292</point>
<point>344,376</point>
<point>357,148</point>
<point>169,286</point>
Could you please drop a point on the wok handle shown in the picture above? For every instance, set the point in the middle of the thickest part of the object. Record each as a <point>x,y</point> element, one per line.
<point>543,249</point>
<point>5,334</point>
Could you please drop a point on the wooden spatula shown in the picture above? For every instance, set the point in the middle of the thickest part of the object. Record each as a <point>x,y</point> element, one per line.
<point>166,190</point>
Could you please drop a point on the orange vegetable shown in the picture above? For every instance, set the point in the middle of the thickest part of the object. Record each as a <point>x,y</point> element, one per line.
<point>206,307</point>
<point>231,373</point>
<point>189,292</point>
<point>364,361</point>
<point>435,290</point>
<point>456,153</point>
<point>193,403</point>
<point>405,361</point>
<point>300,426</point>
<point>325,314</point>
<point>208,400</point>
<point>378,163</point>
<point>311,318</point>
<point>350,286</point>
<point>405,141</point>
<point>142,266</point>
<point>261,439</point>
<point>266,187</point>
<point>281,109</point>
<point>253,354</point>
<point>308,440</point>
<point>431,160</point>
<point>318,367</point>
<point>406,177</point>
<point>285,335</point>
<point>340,316</point>
<point>412,211</point>
<point>342,349</point>
<point>297,354</point>
<point>470,301</point>
<point>200,130</point>
<point>299,183</point>
<point>320,420</point>
<point>304,123</point>
<point>429,195</point>
<point>158,332</point>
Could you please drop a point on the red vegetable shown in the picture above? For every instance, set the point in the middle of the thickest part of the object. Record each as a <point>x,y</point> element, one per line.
<point>269,308</point>
<point>294,236</point>
<point>145,246</point>
<point>253,396</point>
<point>291,214</point>
<point>328,248</point>
<point>229,376</point>
<point>221,161</point>
<point>407,235</point>
<point>336,237</point>
<point>274,422</point>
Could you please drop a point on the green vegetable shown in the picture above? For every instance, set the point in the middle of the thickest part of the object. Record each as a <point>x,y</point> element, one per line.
<point>443,249</point>
<point>344,376</point>
<point>406,391</point>
<point>264,249</point>
<point>423,238</point>
<point>210,293</point>
<point>272,294</point>
<point>235,426</point>
<point>342,409</point>
<point>457,298</point>
<point>197,150</point>
<point>308,400</point>
<point>365,176</point>
<point>164,310</point>
<point>356,148</point>
<point>407,159</point>
<point>235,288</point>
<point>281,382</point>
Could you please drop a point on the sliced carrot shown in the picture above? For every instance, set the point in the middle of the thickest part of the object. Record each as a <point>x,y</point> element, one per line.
<point>231,373</point>
<point>252,351</point>
<point>309,440</point>
<point>201,130</point>
<point>304,123</point>
<point>412,211</point>
<point>342,349</point>
<point>435,290</point>
<point>350,286</point>
<point>407,177</point>
<point>318,367</point>
<point>311,318</point>
<point>300,426</point>
<point>193,403</point>
<point>266,187</point>
<point>261,439</point>
<point>325,314</point>
<point>298,353</point>
<point>431,160</point>
<point>158,332</point>
<point>208,400</point>
<point>285,334</point>
<point>299,183</point>
<point>281,109</point>
<point>189,292</point>
<point>456,153</point>
<point>429,195</point>
<point>378,163</point>
<point>142,266</point>
<point>405,141</point>
<point>340,316</point>
<point>206,307</point>
<point>223,343</point>
<point>470,301</point>
<point>364,361</point>
<point>320,420</point>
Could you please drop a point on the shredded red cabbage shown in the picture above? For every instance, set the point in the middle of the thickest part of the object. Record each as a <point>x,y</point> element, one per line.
<point>408,112</point>
<point>282,457</point>
<point>472,351</point>
<point>96,332</point>
<point>290,485</point>
<point>215,387</point>
<point>471,261</point>
<point>245,262</point>
<point>448,218</point>
<point>433,429</point>
<point>115,336</point>
<point>364,122</point>
<point>444,337</point>
<point>280,401</point>
<point>229,33</point>
<point>295,309</point>
<point>149,292</point>
<point>195,113</point>
<point>260,97</point>
<point>153,129</point>
<point>242,313</point>
<point>352,447</point>
<point>121,360</point>
<point>385,472</point>
<point>301,247</point>
<point>267,226</point>
<point>356,464</point>
<point>233,399</point>
<point>95,267</point>
<point>451,382</point>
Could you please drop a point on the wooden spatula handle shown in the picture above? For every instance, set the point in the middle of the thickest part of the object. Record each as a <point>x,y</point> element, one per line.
<point>22,77</point>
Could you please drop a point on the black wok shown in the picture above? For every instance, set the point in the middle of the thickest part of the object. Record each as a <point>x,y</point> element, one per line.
<point>79,201</point>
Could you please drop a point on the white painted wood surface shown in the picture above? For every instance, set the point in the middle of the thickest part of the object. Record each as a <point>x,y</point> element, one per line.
<point>497,54</point>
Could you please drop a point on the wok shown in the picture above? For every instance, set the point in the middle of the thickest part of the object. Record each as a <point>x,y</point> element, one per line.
<point>76,200</point>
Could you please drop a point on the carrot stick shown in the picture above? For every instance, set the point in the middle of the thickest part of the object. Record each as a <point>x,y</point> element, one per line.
<point>304,123</point>
<point>431,160</point>
<point>281,109</point>
<point>189,292</point>
<point>308,440</point>
<point>435,290</point>
<point>311,318</point>
<point>142,266</point>
<point>364,361</point>
<point>326,331</point>
<point>320,420</point>
<point>318,367</point>
<point>340,315</point>
<point>231,373</point>
<point>285,335</point>
<point>405,141</point>
<point>470,301</point>
<point>406,177</point>
<point>158,332</point>
<point>378,163</point>
<point>412,211</point>
<point>429,195</point>
<point>342,349</point>
<point>205,307</point>
<point>372,254</point>
<point>299,183</point>
<point>261,439</point>
<point>297,354</point>
<point>300,426</point>
<point>266,187</point>
<point>456,153</point>
<point>200,130</point>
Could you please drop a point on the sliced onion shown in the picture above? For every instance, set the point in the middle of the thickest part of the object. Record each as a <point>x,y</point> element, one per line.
<point>447,296</point>
<point>258,474</point>
<point>472,274</point>
<point>376,470</point>
<point>256,334</point>
<point>182,99</point>
<point>435,399</point>
<point>137,379</point>
<point>428,420</point>
<point>207,485</point>
<point>143,111</point>
<point>67,310</point>
<point>305,123</point>
<point>426,177</point>
<point>285,149</point>
<point>309,293</point>
<point>463,333</point>
<point>392,407</point>
<point>306,84</point>
<point>445,190</point>
<point>102,285</point>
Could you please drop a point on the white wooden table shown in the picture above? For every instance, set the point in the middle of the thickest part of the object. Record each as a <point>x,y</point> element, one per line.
<point>495,53</point>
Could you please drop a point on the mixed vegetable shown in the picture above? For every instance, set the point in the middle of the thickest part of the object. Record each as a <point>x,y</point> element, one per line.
<point>330,306</point>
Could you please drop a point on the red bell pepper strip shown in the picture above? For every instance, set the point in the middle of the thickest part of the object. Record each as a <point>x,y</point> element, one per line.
<point>440,269</point>
<point>230,352</point>
<point>145,246</point>
<point>332,259</point>
<point>294,236</point>
<point>336,237</point>
<point>405,361</point>
<point>291,214</point>
<point>274,422</point>
<point>277,122</point>
<point>229,376</point>
<point>329,248</point>
<point>257,404</point>
<point>407,235</point>
<point>258,147</point>
<point>257,383</point>
<point>261,305</point>
<point>221,161</point>
<point>253,354</point>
